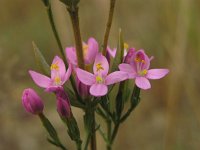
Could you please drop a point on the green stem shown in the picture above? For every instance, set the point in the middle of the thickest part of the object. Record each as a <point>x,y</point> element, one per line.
<point>108,26</point>
<point>114,132</point>
<point>73,12</point>
<point>93,135</point>
<point>109,130</point>
<point>50,15</point>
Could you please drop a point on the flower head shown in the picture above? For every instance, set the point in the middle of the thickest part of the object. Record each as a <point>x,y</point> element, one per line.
<point>32,102</point>
<point>90,49</point>
<point>59,75</point>
<point>100,80</point>
<point>137,66</point>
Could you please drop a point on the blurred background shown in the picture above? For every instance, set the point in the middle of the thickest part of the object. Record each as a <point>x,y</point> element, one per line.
<point>168,117</point>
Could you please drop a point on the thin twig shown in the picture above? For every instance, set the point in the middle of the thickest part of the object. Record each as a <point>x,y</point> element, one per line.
<point>73,12</point>
<point>50,15</point>
<point>108,26</point>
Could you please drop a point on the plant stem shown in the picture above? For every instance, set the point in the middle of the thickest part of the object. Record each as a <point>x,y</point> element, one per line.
<point>73,12</point>
<point>93,135</point>
<point>114,132</point>
<point>108,26</point>
<point>109,130</point>
<point>50,15</point>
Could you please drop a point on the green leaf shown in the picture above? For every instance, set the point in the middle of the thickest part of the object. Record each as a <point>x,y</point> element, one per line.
<point>40,60</point>
<point>119,54</point>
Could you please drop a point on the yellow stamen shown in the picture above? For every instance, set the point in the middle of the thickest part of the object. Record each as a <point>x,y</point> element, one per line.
<point>99,79</point>
<point>138,59</point>
<point>99,67</point>
<point>126,46</point>
<point>55,66</point>
<point>57,80</point>
<point>143,72</point>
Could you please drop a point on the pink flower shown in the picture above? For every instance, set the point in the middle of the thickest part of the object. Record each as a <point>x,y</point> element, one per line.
<point>32,102</point>
<point>100,80</point>
<point>58,75</point>
<point>138,68</point>
<point>90,49</point>
<point>63,104</point>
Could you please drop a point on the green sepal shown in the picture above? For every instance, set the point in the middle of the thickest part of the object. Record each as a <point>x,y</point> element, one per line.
<point>119,101</point>
<point>135,99</point>
<point>40,60</point>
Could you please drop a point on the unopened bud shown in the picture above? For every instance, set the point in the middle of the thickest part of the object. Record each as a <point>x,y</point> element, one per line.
<point>32,102</point>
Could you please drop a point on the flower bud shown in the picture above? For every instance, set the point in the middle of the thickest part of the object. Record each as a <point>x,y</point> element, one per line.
<point>129,56</point>
<point>82,89</point>
<point>63,104</point>
<point>32,102</point>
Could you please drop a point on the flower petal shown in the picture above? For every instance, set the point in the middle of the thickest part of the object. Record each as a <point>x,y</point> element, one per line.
<point>57,66</point>
<point>115,77</point>
<point>129,69</point>
<point>98,90</point>
<point>67,74</point>
<point>85,77</point>
<point>142,83</point>
<point>71,55</point>
<point>39,79</point>
<point>101,65</point>
<point>156,73</point>
<point>93,49</point>
<point>111,52</point>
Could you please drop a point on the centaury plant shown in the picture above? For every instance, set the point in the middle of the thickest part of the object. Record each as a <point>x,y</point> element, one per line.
<point>85,77</point>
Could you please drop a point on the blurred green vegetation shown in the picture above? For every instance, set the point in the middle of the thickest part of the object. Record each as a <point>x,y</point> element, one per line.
<point>168,115</point>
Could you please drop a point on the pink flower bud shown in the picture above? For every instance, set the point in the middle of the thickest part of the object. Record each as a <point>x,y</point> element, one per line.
<point>129,57</point>
<point>63,104</point>
<point>32,102</point>
<point>83,89</point>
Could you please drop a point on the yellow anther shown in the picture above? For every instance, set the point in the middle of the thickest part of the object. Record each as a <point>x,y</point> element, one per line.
<point>57,80</point>
<point>99,79</point>
<point>138,59</point>
<point>143,61</point>
<point>126,46</point>
<point>143,72</point>
<point>55,66</point>
<point>99,67</point>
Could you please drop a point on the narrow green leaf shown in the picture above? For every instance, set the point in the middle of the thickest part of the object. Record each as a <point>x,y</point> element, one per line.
<point>119,54</point>
<point>40,60</point>
<point>117,60</point>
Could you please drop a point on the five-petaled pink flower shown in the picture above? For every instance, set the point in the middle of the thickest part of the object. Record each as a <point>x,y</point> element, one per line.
<point>138,68</point>
<point>100,80</point>
<point>59,75</point>
<point>90,50</point>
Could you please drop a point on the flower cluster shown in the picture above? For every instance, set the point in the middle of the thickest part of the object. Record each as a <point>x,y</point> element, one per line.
<point>135,65</point>
<point>91,83</point>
